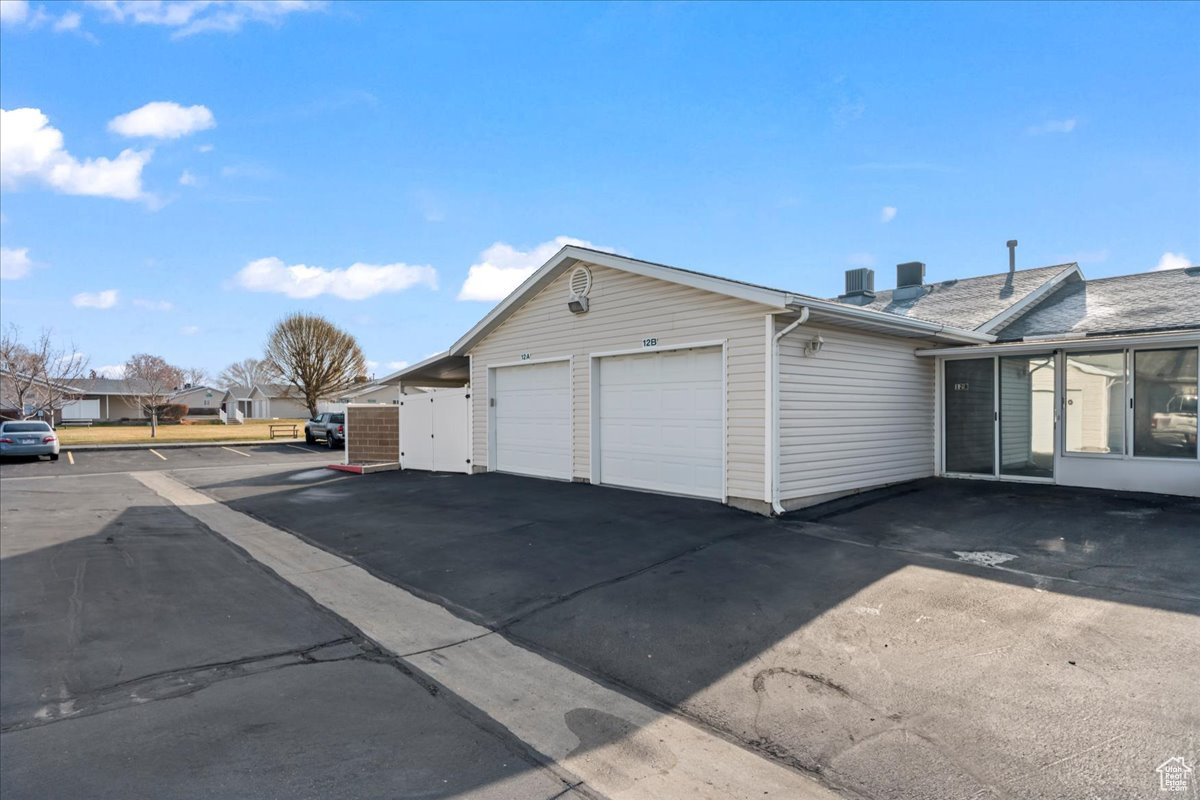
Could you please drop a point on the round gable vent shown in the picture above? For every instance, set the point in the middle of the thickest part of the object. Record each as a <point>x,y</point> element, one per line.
<point>580,283</point>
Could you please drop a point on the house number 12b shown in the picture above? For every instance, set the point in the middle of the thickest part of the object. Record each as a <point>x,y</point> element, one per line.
<point>651,342</point>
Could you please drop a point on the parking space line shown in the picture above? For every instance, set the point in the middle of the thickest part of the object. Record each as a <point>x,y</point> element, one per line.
<point>239,452</point>
<point>160,455</point>
<point>70,457</point>
<point>301,449</point>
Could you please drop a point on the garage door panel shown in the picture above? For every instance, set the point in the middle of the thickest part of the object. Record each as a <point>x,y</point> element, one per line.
<point>661,421</point>
<point>533,419</point>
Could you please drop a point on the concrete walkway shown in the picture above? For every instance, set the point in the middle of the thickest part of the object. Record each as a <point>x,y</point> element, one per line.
<point>603,740</point>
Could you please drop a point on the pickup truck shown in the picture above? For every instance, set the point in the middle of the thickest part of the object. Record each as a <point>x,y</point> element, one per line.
<point>328,427</point>
<point>1177,425</point>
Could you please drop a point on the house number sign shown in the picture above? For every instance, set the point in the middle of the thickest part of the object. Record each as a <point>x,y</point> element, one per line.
<point>650,342</point>
<point>962,387</point>
<point>525,356</point>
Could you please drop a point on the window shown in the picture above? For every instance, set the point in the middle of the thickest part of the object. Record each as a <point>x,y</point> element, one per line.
<point>26,427</point>
<point>1095,403</point>
<point>1164,403</point>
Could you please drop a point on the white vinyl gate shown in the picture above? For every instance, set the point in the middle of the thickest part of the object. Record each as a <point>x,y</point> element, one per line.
<point>435,431</point>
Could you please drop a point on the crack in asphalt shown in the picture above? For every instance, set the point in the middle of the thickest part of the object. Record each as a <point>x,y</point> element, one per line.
<point>179,682</point>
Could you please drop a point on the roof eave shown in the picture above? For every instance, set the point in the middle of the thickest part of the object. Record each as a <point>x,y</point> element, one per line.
<point>884,321</point>
<point>1190,336</point>
<point>571,254</point>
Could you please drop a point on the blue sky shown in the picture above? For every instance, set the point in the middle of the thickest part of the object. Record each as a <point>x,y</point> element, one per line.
<point>178,176</point>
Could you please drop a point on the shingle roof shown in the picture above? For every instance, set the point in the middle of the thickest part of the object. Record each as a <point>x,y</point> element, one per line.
<point>279,390</point>
<point>1147,301</point>
<point>968,302</point>
<point>107,386</point>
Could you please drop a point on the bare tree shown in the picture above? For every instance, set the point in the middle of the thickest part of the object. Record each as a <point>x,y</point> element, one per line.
<point>196,376</point>
<point>37,377</point>
<point>151,381</point>
<point>248,372</point>
<point>315,356</point>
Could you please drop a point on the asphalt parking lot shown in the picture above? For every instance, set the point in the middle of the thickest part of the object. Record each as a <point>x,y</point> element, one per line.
<point>143,656</point>
<point>941,640</point>
<point>173,457</point>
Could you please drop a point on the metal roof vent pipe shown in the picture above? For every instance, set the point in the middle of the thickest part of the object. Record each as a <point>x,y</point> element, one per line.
<point>910,280</point>
<point>860,287</point>
<point>1012,255</point>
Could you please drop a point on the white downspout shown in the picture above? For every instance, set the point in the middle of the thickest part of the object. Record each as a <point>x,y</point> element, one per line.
<point>776,507</point>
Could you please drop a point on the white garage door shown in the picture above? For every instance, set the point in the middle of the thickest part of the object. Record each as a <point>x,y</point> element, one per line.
<point>661,422</point>
<point>533,419</point>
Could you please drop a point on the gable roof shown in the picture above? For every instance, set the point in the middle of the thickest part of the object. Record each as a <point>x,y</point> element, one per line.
<point>1142,303</point>
<point>776,299</point>
<point>982,303</point>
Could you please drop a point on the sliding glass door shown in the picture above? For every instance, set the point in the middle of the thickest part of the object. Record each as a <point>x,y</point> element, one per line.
<point>1005,428</point>
<point>1027,416</point>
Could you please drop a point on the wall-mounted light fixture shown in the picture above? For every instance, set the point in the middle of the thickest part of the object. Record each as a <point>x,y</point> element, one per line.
<point>813,347</point>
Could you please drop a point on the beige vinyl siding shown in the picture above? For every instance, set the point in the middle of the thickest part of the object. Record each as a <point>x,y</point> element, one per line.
<point>625,309</point>
<point>859,413</point>
<point>287,408</point>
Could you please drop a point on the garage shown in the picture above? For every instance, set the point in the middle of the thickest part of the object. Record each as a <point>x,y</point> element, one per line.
<point>660,421</point>
<point>531,419</point>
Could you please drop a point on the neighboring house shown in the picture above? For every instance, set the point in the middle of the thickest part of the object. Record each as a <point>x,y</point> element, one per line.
<point>200,400</point>
<point>611,370</point>
<point>265,401</point>
<point>280,401</point>
<point>104,400</point>
<point>240,399</point>
<point>373,392</point>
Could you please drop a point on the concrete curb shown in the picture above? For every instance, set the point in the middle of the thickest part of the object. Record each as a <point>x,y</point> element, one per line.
<point>166,445</point>
<point>365,469</point>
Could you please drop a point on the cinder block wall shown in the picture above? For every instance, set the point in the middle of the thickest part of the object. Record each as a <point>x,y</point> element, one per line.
<point>373,434</point>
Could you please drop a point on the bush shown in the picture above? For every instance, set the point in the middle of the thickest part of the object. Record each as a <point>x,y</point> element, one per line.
<point>172,412</point>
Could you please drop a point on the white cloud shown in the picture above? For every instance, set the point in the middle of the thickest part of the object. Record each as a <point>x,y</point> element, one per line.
<point>1052,126</point>
<point>397,364</point>
<point>1173,261</point>
<point>163,120</point>
<point>204,148</point>
<point>13,12</point>
<point>154,305</point>
<point>188,18</point>
<point>189,330</point>
<point>32,149</point>
<point>861,259</point>
<point>887,214</point>
<point>114,371</point>
<point>104,299</point>
<point>187,179</point>
<point>356,282</point>
<point>69,21</point>
<point>502,267</point>
<point>18,13</point>
<point>14,263</point>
